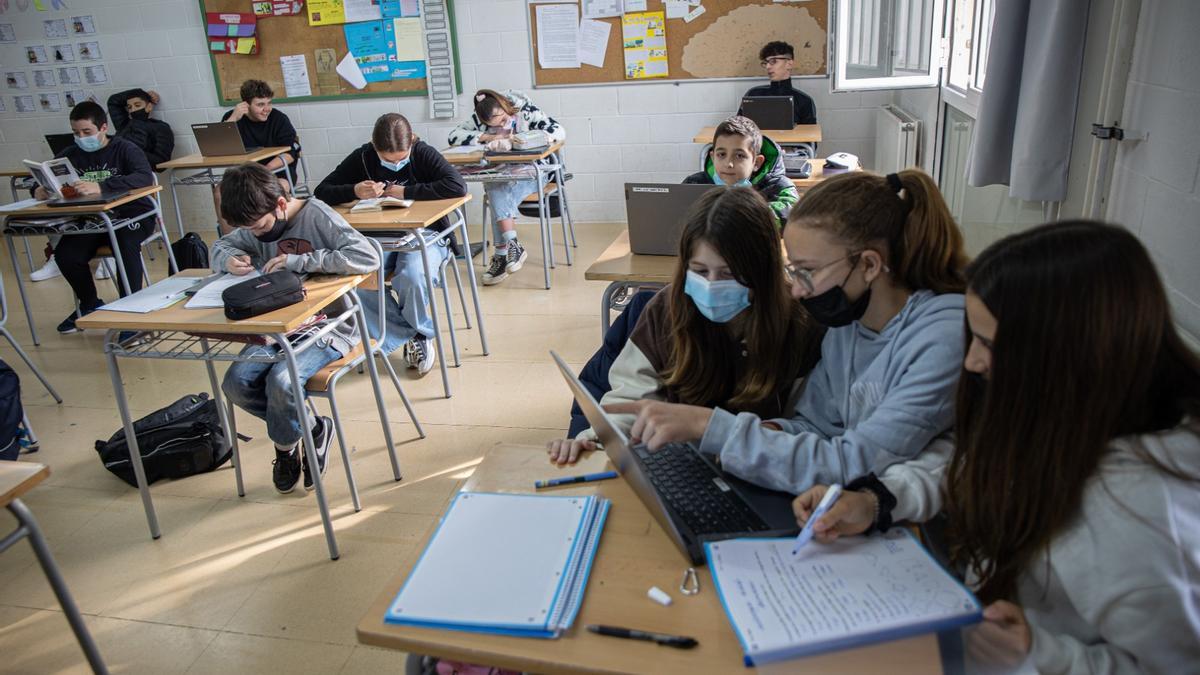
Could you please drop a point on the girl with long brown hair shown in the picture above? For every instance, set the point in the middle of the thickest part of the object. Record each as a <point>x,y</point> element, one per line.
<point>1074,491</point>
<point>879,261</point>
<point>714,336</point>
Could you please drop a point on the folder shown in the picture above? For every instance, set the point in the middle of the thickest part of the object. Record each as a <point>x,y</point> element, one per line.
<point>507,564</point>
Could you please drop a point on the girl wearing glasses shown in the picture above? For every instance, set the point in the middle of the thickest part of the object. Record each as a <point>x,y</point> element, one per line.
<point>879,261</point>
<point>713,336</point>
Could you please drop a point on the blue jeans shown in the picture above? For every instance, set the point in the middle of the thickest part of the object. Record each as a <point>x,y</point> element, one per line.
<point>504,199</point>
<point>406,305</point>
<point>265,389</point>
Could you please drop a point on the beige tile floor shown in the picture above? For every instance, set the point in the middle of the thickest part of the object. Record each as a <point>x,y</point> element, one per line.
<point>245,585</point>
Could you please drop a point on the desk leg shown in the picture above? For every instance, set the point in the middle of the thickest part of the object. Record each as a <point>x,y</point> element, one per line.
<point>175,200</point>
<point>29,527</point>
<point>462,219</point>
<point>12,254</point>
<point>547,252</point>
<point>12,184</point>
<point>310,447</point>
<point>361,318</point>
<point>116,249</point>
<point>135,454</point>
<point>25,357</point>
<point>433,313</point>
<point>223,415</point>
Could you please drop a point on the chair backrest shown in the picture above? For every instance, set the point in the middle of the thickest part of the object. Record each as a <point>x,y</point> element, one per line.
<point>380,292</point>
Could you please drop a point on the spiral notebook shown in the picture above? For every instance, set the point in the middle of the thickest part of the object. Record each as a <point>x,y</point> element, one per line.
<point>510,564</point>
<point>851,592</point>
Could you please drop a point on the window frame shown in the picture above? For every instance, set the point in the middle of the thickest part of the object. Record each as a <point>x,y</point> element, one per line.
<point>839,50</point>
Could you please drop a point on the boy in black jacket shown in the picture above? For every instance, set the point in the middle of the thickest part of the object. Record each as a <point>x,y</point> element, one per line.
<point>130,113</point>
<point>396,164</point>
<point>103,164</point>
<point>777,59</point>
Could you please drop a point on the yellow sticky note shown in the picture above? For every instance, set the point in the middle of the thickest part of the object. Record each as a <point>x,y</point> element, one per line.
<point>246,45</point>
<point>326,12</point>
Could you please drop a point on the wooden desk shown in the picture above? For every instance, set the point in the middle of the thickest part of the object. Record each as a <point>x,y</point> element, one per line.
<point>44,211</point>
<point>816,176</point>
<point>626,270</point>
<point>634,555</point>
<point>507,158</point>
<point>205,167</point>
<point>801,133</point>
<point>390,219</point>
<point>17,478</point>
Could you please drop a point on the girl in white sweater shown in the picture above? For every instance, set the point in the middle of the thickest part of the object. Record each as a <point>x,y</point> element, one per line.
<point>1073,494</point>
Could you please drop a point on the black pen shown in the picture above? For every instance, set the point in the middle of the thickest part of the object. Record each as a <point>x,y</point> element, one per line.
<point>677,641</point>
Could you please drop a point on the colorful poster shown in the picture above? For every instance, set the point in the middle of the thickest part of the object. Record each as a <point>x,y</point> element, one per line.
<point>644,38</point>
<point>244,45</point>
<point>278,7</point>
<point>368,43</point>
<point>326,12</point>
<point>405,42</point>
<point>230,24</point>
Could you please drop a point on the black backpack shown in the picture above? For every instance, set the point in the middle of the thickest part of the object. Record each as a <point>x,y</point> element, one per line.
<point>182,439</point>
<point>11,413</point>
<point>190,252</point>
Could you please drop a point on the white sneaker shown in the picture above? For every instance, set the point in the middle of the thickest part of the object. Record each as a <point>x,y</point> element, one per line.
<point>419,354</point>
<point>47,271</point>
<point>106,269</point>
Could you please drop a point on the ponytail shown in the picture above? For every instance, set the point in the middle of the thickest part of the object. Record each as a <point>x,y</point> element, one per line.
<point>905,212</point>
<point>488,101</point>
<point>393,133</point>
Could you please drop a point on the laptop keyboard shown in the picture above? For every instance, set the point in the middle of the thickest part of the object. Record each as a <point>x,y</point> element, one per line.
<point>697,493</point>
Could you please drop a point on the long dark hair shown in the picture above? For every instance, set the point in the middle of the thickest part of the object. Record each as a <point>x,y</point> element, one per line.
<point>392,133</point>
<point>778,333</point>
<point>489,101</point>
<point>1085,352</point>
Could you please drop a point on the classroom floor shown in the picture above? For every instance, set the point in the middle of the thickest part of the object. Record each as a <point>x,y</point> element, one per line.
<point>245,585</point>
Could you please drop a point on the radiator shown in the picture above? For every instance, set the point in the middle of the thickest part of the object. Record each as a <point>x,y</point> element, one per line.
<point>896,139</point>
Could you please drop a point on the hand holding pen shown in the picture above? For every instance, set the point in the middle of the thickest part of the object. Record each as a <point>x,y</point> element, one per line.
<point>852,513</point>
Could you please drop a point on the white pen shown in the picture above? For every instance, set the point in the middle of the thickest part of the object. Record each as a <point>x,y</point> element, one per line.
<point>827,502</point>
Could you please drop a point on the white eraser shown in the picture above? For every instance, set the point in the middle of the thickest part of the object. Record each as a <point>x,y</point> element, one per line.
<point>659,595</point>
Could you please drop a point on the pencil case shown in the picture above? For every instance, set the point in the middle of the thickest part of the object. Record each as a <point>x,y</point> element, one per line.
<point>262,294</point>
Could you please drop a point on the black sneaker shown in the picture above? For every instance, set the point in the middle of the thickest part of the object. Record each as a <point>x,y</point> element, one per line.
<point>287,470</point>
<point>68,324</point>
<point>497,271</point>
<point>419,354</point>
<point>322,436</point>
<point>516,256</point>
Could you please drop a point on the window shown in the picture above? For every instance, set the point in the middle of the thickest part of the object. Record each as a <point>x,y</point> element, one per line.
<point>971,37</point>
<point>886,44</point>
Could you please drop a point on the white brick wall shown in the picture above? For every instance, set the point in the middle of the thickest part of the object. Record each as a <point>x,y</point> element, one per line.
<point>615,133</point>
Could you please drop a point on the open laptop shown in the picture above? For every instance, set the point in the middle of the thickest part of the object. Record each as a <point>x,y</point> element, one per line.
<point>692,499</point>
<point>90,200</point>
<point>218,139</point>
<point>656,212</point>
<point>59,143</point>
<point>769,112</point>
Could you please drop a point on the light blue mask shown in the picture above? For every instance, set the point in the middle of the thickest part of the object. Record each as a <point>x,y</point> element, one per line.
<point>88,143</point>
<point>745,182</point>
<point>395,167</point>
<point>718,301</point>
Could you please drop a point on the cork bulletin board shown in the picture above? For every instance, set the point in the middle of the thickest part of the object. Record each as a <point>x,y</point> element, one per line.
<point>723,42</point>
<point>291,35</point>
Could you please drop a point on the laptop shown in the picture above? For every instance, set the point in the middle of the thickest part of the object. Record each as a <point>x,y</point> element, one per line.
<point>656,212</point>
<point>59,142</point>
<point>769,112</point>
<point>690,497</point>
<point>218,139</point>
<point>90,200</point>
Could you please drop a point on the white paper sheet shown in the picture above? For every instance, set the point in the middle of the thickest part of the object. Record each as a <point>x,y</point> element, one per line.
<point>694,14</point>
<point>157,296</point>
<point>23,204</point>
<point>362,10</point>
<point>677,9</point>
<point>409,39</point>
<point>295,76</point>
<point>209,297</point>
<point>593,41</point>
<point>348,69</point>
<point>558,36</point>
<point>602,9</point>
<point>635,6</point>
<point>463,150</point>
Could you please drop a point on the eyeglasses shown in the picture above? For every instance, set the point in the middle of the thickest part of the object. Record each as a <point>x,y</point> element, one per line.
<point>804,277</point>
<point>772,60</point>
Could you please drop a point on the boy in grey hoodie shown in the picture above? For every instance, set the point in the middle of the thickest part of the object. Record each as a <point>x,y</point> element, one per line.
<point>274,231</point>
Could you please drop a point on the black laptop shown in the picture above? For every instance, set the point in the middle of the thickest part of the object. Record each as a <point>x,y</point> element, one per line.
<point>690,497</point>
<point>59,143</point>
<point>90,200</point>
<point>769,112</point>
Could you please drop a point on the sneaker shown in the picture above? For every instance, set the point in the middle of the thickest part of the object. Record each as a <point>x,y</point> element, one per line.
<point>47,271</point>
<point>322,436</point>
<point>419,353</point>
<point>106,269</point>
<point>517,255</point>
<point>287,469</point>
<point>497,271</point>
<point>68,324</point>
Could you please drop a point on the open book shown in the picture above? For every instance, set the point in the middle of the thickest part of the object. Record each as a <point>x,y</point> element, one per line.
<point>378,203</point>
<point>851,592</point>
<point>53,175</point>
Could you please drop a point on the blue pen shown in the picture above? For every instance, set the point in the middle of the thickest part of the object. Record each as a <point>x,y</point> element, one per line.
<point>567,480</point>
<point>827,502</point>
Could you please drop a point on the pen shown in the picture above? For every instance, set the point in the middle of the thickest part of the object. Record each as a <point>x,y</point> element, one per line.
<point>677,641</point>
<point>567,480</point>
<point>806,534</point>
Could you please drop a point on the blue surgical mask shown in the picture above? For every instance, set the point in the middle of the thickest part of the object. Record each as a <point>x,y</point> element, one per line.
<point>718,301</point>
<point>88,143</point>
<point>394,167</point>
<point>745,182</point>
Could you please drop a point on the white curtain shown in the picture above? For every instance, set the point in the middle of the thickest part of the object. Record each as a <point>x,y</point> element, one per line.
<point>1026,119</point>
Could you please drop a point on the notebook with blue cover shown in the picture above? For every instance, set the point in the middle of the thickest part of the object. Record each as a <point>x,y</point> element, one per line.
<point>511,564</point>
<point>851,592</point>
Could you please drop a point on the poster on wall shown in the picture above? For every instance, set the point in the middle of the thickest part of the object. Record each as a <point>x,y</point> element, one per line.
<point>69,76</point>
<point>96,75</point>
<point>16,79</point>
<point>330,12</point>
<point>278,7</point>
<point>644,38</point>
<point>44,79</point>
<point>36,54</point>
<point>368,43</point>
<point>24,104</point>
<point>406,42</point>
<point>64,53</point>
<point>83,25</point>
<point>55,28</point>
<point>50,102</point>
<point>327,79</point>
<point>89,51</point>
<point>7,34</point>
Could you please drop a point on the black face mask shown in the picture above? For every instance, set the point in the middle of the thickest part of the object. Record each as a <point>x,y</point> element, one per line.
<point>275,232</point>
<point>140,115</point>
<point>833,309</point>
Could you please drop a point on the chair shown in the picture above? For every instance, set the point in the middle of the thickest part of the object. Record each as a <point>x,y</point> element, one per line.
<point>12,341</point>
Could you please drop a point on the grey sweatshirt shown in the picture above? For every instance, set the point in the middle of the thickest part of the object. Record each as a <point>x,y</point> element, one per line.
<point>1118,590</point>
<point>317,241</point>
<point>874,399</point>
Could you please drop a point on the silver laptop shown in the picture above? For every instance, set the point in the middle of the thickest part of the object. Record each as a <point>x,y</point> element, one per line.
<point>769,112</point>
<point>692,499</point>
<point>218,139</point>
<point>656,213</point>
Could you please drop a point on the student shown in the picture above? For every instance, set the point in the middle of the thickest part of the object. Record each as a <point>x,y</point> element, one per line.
<point>103,164</point>
<point>880,262</point>
<point>741,155</point>
<point>496,117</point>
<point>714,336</point>
<point>1073,490</point>
<point>275,231</point>
<point>778,58</point>
<point>130,113</point>
<point>262,126</point>
<point>397,164</point>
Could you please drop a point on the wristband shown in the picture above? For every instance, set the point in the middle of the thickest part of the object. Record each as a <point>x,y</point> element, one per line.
<point>885,501</point>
